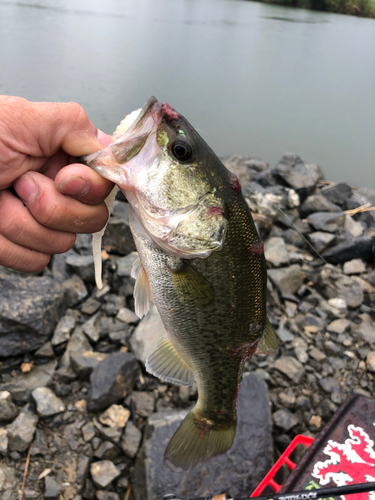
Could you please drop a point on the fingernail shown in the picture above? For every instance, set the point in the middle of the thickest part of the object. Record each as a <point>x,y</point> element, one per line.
<point>75,186</point>
<point>26,188</point>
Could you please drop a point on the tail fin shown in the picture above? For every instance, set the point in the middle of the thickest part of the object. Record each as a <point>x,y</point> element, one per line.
<point>191,445</point>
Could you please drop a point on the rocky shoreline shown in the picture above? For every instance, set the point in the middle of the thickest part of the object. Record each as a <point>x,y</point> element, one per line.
<point>81,419</point>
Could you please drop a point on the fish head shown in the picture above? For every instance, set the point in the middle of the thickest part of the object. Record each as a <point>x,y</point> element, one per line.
<point>174,182</point>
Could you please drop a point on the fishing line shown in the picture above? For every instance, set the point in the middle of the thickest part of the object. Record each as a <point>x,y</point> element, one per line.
<point>294,226</point>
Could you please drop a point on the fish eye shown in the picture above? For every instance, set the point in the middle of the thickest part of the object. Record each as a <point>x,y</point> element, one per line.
<point>182,150</point>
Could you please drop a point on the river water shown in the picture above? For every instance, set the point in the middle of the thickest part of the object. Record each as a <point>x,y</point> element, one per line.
<point>255,79</point>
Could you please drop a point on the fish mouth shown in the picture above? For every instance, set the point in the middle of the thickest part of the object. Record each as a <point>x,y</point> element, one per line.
<point>130,142</point>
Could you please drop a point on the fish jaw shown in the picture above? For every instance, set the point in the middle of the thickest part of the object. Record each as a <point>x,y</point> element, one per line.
<point>113,162</point>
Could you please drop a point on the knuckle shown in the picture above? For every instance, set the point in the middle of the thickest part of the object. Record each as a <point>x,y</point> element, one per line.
<point>65,243</point>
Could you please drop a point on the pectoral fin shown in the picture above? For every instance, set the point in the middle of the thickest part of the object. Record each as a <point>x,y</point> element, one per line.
<point>167,364</point>
<point>142,291</point>
<point>268,344</point>
<point>191,286</point>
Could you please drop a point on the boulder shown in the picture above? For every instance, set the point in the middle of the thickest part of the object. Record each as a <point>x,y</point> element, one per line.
<point>251,451</point>
<point>112,380</point>
<point>297,174</point>
<point>30,307</point>
<point>355,248</point>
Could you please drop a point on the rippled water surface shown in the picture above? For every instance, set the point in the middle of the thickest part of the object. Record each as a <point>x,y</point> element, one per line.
<point>253,78</point>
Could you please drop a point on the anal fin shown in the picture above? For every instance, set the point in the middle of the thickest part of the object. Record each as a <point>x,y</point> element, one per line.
<point>167,364</point>
<point>268,343</point>
<point>142,291</point>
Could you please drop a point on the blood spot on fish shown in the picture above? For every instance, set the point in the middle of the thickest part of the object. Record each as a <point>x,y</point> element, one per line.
<point>216,211</point>
<point>205,426</point>
<point>235,183</point>
<point>256,249</point>
<point>169,112</point>
<point>244,351</point>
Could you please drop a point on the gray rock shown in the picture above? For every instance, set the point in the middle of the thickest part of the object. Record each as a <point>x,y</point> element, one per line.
<point>288,279</point>
<point>21,430</point>
<point>297,174</point>
<point>367,332</point>
<point>91,327</point>
<point>8,410</point>
<point>40,444</point>
<point>370,361</point>
<point>3,441</point>
<point>339,326</point>
<point>45,351</point>
<point>108,432</point>
<point>318,355</point>
<point>328,384</point>
<point>353,227</point>
<point>131,440</point>
<point>90,306</point>
<point>321,240</point>
<point>63,330</point>
<point>107,495</point>
<point>118,237</point>
<point>287,398</point>
<point>251,450</point>
<point>82,472</point>
<point>103,473</point>
<point>107,451</point>
<point>284,335</point>
<point>112,304</point>
<point>7,478</point>
<point>88,431</point>
<point>147,334</point>
<point>355,266</point>
<point>300,350</point>
<point>334,284</point>
<point>125,264</point>
<point>326,221</point>
<point>47,403</point>
<point>20,387</point>
<point>83,265</point>
<point>75,290</point>
<point>284,419</point>
<point>267,201</point>
<point>355,248</point>
<point>30,307</point>
<point>144,403</point>
<point>112,380</point>
<point>78,343</point>
<point>276,252</point>
<point>290,367</point>
<point>127,316</point>
<point>317,203</point>
<point>337,193</point>
<point>83,363</point>
<point>52,488</point>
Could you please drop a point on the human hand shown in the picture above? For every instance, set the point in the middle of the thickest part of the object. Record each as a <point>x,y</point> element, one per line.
<point>39,143</point>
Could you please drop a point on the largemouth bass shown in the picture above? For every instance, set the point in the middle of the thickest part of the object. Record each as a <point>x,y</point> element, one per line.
<point>201,261</point>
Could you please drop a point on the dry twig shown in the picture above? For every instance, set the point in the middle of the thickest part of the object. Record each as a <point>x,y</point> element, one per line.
<point>26,471</point>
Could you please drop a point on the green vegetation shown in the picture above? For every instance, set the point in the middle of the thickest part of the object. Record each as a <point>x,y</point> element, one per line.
<point>363,8</point>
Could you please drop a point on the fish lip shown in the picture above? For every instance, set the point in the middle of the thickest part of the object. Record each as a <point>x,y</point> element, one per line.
<point>145,111</point>
<point>152,108</point>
